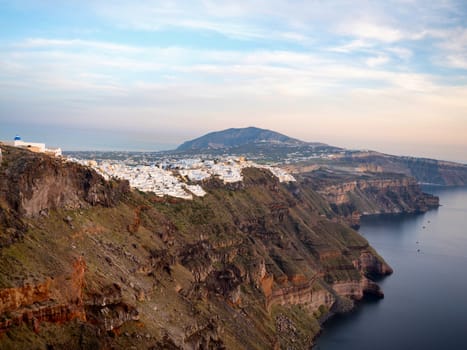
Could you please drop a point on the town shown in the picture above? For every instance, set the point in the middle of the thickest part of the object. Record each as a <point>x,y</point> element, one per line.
<point>178,178</point>
<point>174,177</point>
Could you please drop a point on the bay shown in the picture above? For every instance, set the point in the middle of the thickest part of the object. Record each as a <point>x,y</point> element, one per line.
<point>425,304</point>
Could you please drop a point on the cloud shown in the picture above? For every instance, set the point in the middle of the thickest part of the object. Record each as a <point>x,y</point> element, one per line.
<point>456,61</point>
<point>187,73</point>
<point>368,30</point>
<point>76,44</point>
<point>401,52</point>
<point>44,43</point>
<point>208,64</point>
<point>150,16</point>
<point>354,45</point>
<point>377,61</point>
<point>451,47</point>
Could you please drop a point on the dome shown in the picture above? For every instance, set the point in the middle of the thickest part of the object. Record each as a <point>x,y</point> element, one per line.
<point>17,138</point>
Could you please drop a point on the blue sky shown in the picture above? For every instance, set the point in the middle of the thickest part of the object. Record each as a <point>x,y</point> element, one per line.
<point>386,75</point>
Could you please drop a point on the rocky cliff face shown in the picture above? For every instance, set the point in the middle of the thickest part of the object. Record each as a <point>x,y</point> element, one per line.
<point>436,171</point>
<point>353,196</point>
<point>250,266</point>
<point>428,171</point>
<point>32,184</point>
<point>53,300</point>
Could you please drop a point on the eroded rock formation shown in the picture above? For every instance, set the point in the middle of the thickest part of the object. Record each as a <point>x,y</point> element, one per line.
<point>353,196</point>
<point>255,265</point>
<point>33,184</point>
<point>56,300</point>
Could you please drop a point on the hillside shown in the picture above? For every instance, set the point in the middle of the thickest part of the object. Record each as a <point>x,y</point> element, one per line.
<point>89,264</point>
<point>425,170</point>
<point>353,195</point>
<point>236,137</point>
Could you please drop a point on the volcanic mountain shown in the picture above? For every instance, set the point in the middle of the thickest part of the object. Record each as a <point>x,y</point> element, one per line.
<point>235,137</point>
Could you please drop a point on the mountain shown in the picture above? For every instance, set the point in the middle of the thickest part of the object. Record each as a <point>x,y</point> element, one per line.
<point>268,146</point>
<point>236,137</point>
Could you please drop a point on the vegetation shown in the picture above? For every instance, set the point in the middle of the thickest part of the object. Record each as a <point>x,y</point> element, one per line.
<point>167,272</point>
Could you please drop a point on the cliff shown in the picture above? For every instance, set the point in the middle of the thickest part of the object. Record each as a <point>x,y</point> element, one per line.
<point>353,195</point>
<point>89,264</point>
<point>431,171</point>
<point>424,170</point>
<point>32,184</point>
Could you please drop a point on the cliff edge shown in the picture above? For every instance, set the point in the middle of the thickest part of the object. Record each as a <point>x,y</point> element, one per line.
<point>351,195</point>
<point>89,264</point>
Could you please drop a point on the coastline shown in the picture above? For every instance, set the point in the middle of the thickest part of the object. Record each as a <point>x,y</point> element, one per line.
<point>358,304</point>
<point>367,297</point>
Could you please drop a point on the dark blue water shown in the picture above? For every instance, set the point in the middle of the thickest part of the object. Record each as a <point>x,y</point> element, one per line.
<point>425,304</point>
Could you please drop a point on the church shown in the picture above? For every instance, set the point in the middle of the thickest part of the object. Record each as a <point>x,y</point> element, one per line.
<point>33,146</point>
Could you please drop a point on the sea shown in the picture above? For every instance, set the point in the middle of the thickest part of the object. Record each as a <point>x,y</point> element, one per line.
<point>425,303</point>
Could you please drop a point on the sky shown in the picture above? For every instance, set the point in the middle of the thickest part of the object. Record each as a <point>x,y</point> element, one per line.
<point>385,75</point>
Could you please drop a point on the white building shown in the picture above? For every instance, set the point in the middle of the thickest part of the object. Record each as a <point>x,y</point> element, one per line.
<point>33,146</point>
<point>172,177</point>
